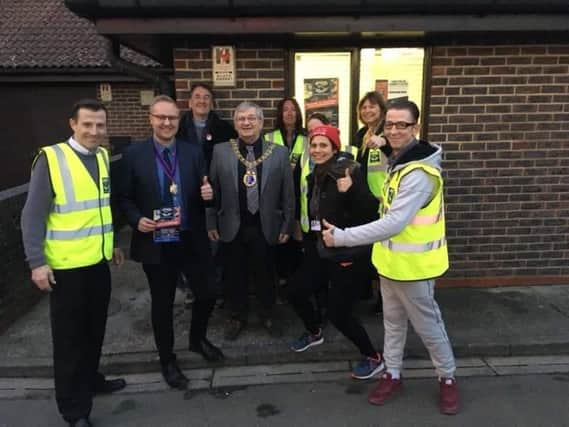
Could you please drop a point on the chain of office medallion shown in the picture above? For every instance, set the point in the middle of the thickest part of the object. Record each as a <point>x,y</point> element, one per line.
<point>250,165</point>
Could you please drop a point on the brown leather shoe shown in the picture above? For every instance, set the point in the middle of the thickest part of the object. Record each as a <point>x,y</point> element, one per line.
<point>386,386</point>
<point>448,402</point>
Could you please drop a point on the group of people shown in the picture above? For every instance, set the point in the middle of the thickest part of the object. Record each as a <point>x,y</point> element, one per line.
<point>201,195</point>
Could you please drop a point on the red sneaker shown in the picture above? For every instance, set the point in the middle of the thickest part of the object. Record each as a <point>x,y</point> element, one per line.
<point>448,402</point>
<point>386,386</point>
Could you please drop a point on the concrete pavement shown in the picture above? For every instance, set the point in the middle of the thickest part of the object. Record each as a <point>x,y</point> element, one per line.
<point>496,322</point>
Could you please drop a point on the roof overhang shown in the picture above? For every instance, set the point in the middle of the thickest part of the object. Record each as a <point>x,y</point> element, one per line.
<point>333,24</point>
<point>100,9</point>
<point>151,25</point>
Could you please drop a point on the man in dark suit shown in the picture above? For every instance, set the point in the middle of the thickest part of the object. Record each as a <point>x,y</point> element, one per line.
<point>161,175</point>
<point>253,212</point>
<point>202,126</point>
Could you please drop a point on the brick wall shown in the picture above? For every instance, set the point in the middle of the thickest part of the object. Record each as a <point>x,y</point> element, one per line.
<point>260,78</point>
<point>126,116</point>
<point>17,292</point>
<point>501,114</point>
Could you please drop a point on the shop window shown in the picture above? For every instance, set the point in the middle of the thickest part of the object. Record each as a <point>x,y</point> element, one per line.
<point>322,84</point>
<point>394,72</point>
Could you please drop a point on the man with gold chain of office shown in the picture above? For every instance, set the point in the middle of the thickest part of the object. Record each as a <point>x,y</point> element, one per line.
<point>253,212</point>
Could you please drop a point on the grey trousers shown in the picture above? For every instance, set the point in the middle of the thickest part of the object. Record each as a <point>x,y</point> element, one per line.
<point>415,302</point>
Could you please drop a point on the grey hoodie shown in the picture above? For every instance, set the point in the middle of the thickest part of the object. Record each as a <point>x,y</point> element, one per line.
<point>416,189</point>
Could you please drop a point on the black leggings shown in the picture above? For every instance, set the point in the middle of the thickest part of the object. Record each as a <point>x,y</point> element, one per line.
<point>314,273</point>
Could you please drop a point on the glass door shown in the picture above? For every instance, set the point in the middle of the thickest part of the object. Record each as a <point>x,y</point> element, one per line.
<point>323,84</point>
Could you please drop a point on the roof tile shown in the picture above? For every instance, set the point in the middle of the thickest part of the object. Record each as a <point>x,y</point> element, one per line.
<point>45,34</point>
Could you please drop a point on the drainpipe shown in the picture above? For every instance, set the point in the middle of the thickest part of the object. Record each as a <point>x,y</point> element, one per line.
<point>157,79</point>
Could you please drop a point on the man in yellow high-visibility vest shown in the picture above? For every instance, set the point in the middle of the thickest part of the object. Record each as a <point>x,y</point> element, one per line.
<point>67,232</point>
<point>409,252</point>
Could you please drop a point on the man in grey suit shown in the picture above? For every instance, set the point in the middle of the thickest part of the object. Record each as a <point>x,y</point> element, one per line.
<point>254,211</point>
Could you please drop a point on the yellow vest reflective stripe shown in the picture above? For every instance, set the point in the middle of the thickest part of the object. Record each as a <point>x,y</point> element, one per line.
<point>419,251</point>
<point>79,229</point>
<point>300,142</point>
<point>376,171</point>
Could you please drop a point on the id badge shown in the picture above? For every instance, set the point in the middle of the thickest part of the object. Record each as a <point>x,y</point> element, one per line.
<point>168,220</point>
<point>315,225</point>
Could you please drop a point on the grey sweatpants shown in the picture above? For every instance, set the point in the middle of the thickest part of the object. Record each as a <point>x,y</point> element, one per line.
<point>414,301</point>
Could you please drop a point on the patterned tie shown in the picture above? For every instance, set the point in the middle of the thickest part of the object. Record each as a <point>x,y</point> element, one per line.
<point>252,192</point>
<point>166,195</point>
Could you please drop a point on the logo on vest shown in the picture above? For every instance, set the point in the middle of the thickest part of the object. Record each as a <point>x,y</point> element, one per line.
<point>390,195</point>
<point>106,185</point>
<point>375,156</point>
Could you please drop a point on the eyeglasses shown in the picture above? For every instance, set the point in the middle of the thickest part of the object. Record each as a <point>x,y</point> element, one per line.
<point>251,119</point>
<point>201,98</point>
<point>163,118</point>
<point>398,125</point>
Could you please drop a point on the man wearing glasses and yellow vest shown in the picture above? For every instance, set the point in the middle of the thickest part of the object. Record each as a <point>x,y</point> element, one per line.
<point>67,232</point>
<point>409,252</point>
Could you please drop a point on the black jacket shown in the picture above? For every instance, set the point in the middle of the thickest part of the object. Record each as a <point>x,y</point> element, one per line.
<point>140,194</point>
<point>355,207</point>
<point>218,129</point>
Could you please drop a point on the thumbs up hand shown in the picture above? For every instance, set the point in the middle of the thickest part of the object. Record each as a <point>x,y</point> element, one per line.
<point>328,233</point>
<point>206,190</point>
<point>345,182</point>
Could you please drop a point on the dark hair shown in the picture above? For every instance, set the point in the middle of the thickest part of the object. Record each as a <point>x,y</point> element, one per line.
<point>87,104</point>
<point>319,116</point>
<point>404,104</point>
<point>374,98</point>
<point>280,123</point>
<point>203,86</point>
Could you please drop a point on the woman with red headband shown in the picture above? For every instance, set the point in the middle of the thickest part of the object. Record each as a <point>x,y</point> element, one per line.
<point>335,190</point>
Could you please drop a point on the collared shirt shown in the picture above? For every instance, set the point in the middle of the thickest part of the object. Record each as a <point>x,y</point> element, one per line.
<point>200,126</point>
<point>246,216</point>
<point>79,148</point>
<point>178,197</point>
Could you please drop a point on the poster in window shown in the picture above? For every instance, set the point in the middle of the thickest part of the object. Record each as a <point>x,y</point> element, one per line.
<point>398,89</point>
<point>321,96</point>
<point>223,66</point>
<point>382,87</point>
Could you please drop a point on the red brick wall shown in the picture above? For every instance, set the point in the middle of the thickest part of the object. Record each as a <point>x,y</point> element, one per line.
<point>260,78</point>
<point>501,114</point>
<point>126,116</point>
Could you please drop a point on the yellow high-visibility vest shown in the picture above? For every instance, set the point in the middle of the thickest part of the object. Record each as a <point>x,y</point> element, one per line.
<point>79,228</point>
<point>419,251</point>
<point>304,172</point>
<point>300,142</point>
<point>376,171</point>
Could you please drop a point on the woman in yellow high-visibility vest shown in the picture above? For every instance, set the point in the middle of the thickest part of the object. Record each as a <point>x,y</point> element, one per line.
<point>290,133</point>
<point>372,156</point>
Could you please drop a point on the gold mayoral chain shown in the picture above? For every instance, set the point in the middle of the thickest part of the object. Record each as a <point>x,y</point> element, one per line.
<point>250,177</point>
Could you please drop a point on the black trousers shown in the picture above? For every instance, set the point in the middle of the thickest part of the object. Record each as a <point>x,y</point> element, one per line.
<point>288,257</point>
<point>314,273</point>
<point>249,255</point>
<point>192,257</point>
<point>78,313</point>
